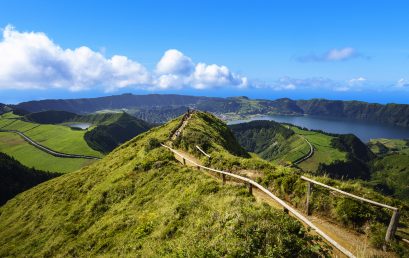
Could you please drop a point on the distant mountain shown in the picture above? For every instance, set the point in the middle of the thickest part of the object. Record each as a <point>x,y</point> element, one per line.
<point>89,105</point>
<point>16,178</point>
<point>395,114</point>
<point>145,106</point>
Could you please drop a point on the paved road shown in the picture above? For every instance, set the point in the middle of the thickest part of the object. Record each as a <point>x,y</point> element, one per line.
<point>298,161</point>
<point>49,151</point>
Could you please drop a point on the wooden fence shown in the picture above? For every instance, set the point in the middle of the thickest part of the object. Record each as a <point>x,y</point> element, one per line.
<point>393,224</point>
<point>287,208</point>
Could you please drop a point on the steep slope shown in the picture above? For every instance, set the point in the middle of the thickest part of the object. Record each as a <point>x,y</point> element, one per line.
<point>270,140</point>
<point>16,178</point>
<point>390,175</point>
<point>138,201</point>
<point>339,212</point>
<point>107,137</point>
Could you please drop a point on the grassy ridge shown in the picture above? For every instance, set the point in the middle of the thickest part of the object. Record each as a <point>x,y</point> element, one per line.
<point>286,183</point>
<point>138,201</point>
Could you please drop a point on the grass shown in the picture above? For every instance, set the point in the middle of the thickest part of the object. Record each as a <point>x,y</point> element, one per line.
<point>323,152</point>
<point>56,137</point>
<point>297,148</point>
<point>388,146</point>
<point>28,155</point>
<point>139,202</point>
<point>286,183</point>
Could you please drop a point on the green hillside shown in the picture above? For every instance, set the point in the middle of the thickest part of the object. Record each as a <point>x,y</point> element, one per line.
<point>30,156</point>
<point>390,175</point>
<point>16,178</point>
<point>111,133</point>
<point>389,146</point>
<point>286,182</point>
<point>138,201</point>
<point>107,132</point>
<point>270,140</point>
<point>56,137</point>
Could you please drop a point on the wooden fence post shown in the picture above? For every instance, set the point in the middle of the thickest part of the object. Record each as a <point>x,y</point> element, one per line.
<point>307,205</point>
<point>393,224</point>
<point>184,161</point>
<point>224,178</point>
<point>250,188</point>
<point>198,168</point>
<point>286,210</point>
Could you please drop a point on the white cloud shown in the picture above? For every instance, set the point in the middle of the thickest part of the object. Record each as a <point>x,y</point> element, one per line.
<point>357,81</point>
<point>288,83</point>
<point>32,60</point>
<point>341,54</point>
<point>206,76</point>
<point>402,83</point>
<point>175,62</point>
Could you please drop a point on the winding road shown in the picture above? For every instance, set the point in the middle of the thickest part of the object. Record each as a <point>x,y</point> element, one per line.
<point>298,161</point>
<point>48,150</point>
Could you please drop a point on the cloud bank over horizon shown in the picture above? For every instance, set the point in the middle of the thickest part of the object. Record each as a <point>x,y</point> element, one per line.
<point>31,60</point>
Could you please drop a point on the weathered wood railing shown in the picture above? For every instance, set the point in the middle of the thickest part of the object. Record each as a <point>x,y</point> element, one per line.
<point>394,219</point>
<point>202,151</point>
<point>287,208</point>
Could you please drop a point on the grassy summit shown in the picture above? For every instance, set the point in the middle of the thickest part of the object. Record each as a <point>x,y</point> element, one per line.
<point>139,201</point>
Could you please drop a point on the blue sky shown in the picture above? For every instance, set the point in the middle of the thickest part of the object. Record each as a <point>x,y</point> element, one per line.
<point>262,49</point>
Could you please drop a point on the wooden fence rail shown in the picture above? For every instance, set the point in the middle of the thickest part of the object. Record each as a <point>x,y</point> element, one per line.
<point>287,208</point>
<point>395,216</point>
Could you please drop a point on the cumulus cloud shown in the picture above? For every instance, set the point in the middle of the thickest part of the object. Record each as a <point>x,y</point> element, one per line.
<point>174,62</point>
<point>341,54</point>
<point>32,60</point>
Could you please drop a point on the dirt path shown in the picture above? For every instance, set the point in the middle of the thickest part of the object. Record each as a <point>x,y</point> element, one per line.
<point>357,243</point>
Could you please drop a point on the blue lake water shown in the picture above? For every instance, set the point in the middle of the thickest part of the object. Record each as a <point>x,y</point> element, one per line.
<point>363,129</point>
<point>83,126</point>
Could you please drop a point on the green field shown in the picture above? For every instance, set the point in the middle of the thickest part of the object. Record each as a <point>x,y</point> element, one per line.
<point>324,152</point>
<point>13,145</point>
<point>56,137</point>
<point>388,146</point>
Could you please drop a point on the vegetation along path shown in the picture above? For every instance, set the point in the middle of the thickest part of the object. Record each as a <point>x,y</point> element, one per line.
<point>47,150</point>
